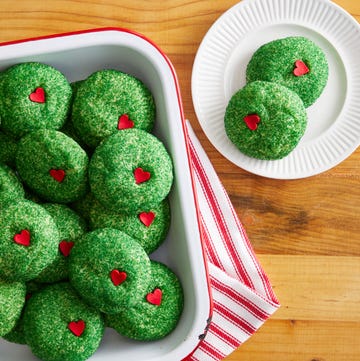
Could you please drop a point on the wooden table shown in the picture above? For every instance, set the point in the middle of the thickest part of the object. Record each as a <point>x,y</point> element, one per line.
<point>305,232</point>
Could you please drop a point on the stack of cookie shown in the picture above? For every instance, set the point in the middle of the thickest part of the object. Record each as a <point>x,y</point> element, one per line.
<point>267,118</point>
<point>84,188</point>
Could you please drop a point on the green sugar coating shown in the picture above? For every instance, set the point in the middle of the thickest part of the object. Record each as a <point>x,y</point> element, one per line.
<point>68,127</point>
<point>17,335</point>
<point>112,166</point>
<point>7,149</point>
<point>47,316</point>
<point>12,299</point>
<point>103,97</point>
<point>84,205</point>
<point>70,226</point>
<point>19,114</point>
<point>10,186</point>
<point>149,228</point>
<point>69,130</point>
<point>29,241</point>
<point>148,321</point>
<point>283,120</point>
<point>275,62</point>
<point>41,152</point>
<point>104,253</point>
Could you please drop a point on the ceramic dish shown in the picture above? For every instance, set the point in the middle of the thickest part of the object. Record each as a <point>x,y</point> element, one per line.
<point>77,55</point>
<point>333,130</point>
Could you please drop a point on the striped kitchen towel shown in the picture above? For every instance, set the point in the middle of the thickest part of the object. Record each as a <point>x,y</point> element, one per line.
<point>242,294</point>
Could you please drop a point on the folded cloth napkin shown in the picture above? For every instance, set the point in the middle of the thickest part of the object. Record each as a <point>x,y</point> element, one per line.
<point>242,294</point>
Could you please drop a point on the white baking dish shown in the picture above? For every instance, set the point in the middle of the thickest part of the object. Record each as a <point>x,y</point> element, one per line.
<point>77,55</point>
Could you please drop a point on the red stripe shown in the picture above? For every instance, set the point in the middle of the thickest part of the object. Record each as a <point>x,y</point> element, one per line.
<point>219,219</point>
<point>211,350</point>
<point>239,299</point>
<point>237,320</point>
<point>224,336</point>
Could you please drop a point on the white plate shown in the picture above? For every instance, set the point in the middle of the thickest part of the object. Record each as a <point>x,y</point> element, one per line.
<point>333,130</point>
<point>77,55</point>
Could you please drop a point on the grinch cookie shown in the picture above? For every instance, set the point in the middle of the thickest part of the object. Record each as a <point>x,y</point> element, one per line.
<point>17,335</point>
<point>265,120</point>
<point>157,313</point>
<point>35,96</point>
<point>70,227</point>
<point>109,101</point>
<point>52,165</point>
<point>148,227</point>
<point>10,186</point>
<point>12,299</point>
<point>29,241</point>
<point>109,269</point>
<point>295,62</point>
<point>58,325</point>
<point>130,171</point>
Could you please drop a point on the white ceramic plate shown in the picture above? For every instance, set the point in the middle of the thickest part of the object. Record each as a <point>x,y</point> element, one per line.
<point>333,130</point>
<point>77,55</point>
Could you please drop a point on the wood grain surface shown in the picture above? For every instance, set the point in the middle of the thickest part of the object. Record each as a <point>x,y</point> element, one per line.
<point>305,232</point>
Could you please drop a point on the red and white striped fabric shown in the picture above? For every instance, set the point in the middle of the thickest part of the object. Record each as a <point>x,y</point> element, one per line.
<point>242,294</point>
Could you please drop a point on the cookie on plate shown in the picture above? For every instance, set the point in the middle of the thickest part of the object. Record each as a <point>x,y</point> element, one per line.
<point>58,325</point>
<point>109,269</point>
<point>35,96</point>
<point>157,313</point>
<point>108,101</point>
<point>295,62</point>
<point>265,120</point>
<point>52,165</point>
<point>130,171</point>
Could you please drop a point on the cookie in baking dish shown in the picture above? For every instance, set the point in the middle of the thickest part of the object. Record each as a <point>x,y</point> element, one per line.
<point>52,165</point>
<point>130,171</point>
<point>109,101</point>
<point>29,240</point>
<point>148,227</point>
<point>34,96</point>
<point>109,269</point>
<point>59,325</point>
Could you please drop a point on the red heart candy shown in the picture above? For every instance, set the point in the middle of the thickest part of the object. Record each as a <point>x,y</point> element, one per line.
<point>117,277</point>
<point>65,247</point>
<point>23,238</point>
<point>141,176</point>
<point>77,327</point>
<point>154,297</point>
<point>252,121</point>
<point>125,122</point>
<point>38,96</point>
<point>57,174</point>
<point>300,68</point>
<point>147,218</point>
